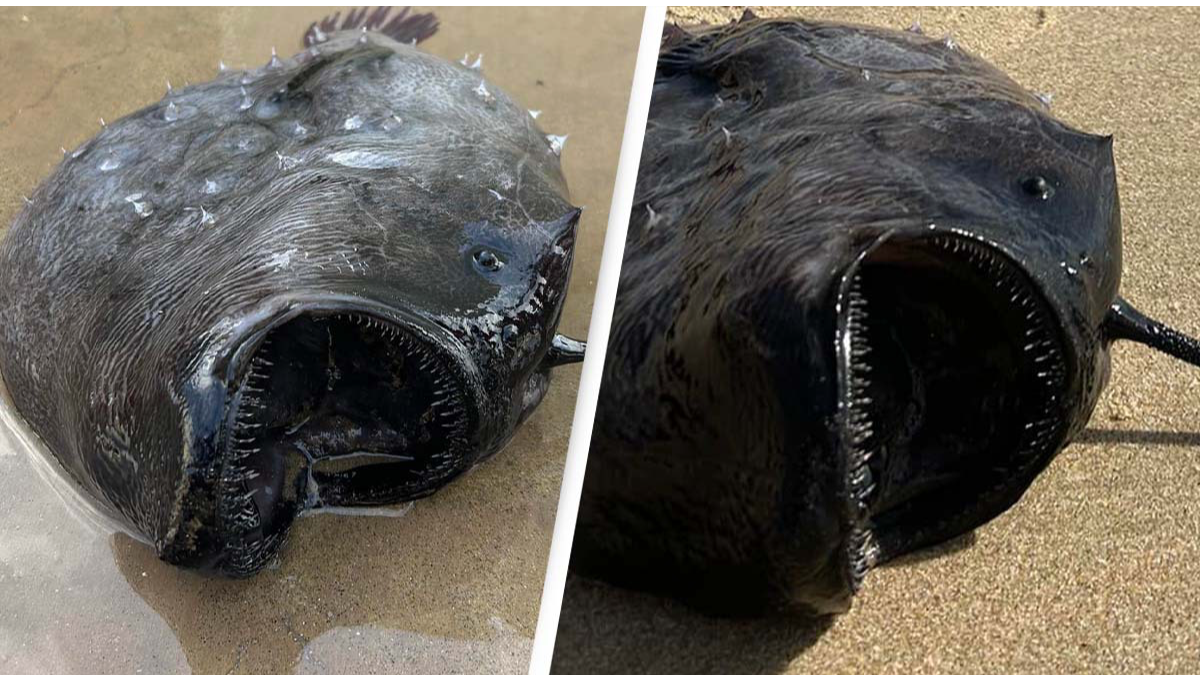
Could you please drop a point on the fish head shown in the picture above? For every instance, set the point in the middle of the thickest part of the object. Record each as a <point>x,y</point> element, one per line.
<point>971,344</point>
<point>372,343</point>
<point>974,324</point>
<point>968,252</point>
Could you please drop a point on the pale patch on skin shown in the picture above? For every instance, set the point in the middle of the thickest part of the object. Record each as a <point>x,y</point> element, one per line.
<point>365,159</point>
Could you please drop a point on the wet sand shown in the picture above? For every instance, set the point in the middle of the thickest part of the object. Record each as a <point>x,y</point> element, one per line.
<point>1096,569</point>
<point>453,583</point>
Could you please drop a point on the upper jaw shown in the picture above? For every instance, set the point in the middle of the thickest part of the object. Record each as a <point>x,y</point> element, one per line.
<point>954,375</point>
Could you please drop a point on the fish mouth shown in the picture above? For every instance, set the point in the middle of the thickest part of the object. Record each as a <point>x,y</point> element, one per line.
<point>337,406</point>
<point>952,374</point>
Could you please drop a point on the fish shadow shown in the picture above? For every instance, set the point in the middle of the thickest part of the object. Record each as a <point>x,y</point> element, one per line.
<point>608,630</point>
<point>1139,437</point>
<point>953,546</point>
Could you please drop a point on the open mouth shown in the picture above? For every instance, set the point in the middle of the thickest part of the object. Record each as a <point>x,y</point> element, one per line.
<point>952,369</point>
<point>337,409</point>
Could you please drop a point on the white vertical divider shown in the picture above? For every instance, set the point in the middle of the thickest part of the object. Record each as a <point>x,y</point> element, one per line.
<point>602,309</point>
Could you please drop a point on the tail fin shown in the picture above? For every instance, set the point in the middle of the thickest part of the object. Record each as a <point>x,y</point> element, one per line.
<point>406,26</point>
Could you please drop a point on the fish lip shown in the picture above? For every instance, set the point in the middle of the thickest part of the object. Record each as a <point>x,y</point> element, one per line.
<point>241,349</point>
<point>866,545</point>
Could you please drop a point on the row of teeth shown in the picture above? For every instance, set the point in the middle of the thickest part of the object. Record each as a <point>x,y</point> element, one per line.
<point>858,429</point>
<point>235,499</point>
<point>863,554</point>
<point>245,556</point>
<point>1039,346</point>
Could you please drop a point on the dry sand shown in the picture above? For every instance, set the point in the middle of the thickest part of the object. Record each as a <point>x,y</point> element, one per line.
<point>459,577</point>
<point>1096,569</point>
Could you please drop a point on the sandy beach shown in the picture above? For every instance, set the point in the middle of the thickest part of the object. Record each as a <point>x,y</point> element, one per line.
<point>1096,569</point>
<point>453,583</point>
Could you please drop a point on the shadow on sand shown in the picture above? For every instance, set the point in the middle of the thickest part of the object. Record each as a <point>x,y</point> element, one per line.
<point>605,630</point>
<point>1139,437</point>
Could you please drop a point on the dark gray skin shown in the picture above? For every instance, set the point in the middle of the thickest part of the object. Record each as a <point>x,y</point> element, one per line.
<point>867,295</point>
<point>330,281</point>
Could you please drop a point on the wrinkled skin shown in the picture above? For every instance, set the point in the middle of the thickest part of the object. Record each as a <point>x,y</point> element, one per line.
<point>863,304</point>
<point>331,281</point>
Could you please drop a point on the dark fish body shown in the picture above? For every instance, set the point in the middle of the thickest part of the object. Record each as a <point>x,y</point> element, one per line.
<point>330,281</point>
<point>867,295</point>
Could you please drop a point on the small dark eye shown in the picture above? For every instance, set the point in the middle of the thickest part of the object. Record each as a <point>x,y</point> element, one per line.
<point>488,261</point>
<point>1037,186</point>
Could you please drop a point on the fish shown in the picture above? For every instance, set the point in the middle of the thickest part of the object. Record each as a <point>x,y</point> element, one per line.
<point>868,293</point>
<point>332,281</point>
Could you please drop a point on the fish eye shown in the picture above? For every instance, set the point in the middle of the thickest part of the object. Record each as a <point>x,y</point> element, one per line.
<point>488,261</point>
<point>1037,186</point>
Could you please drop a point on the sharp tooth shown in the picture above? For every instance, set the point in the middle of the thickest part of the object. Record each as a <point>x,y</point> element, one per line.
<point>861,478</point>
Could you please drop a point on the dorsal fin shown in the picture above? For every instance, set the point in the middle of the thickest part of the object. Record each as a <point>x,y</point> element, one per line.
<point>407,26</point>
